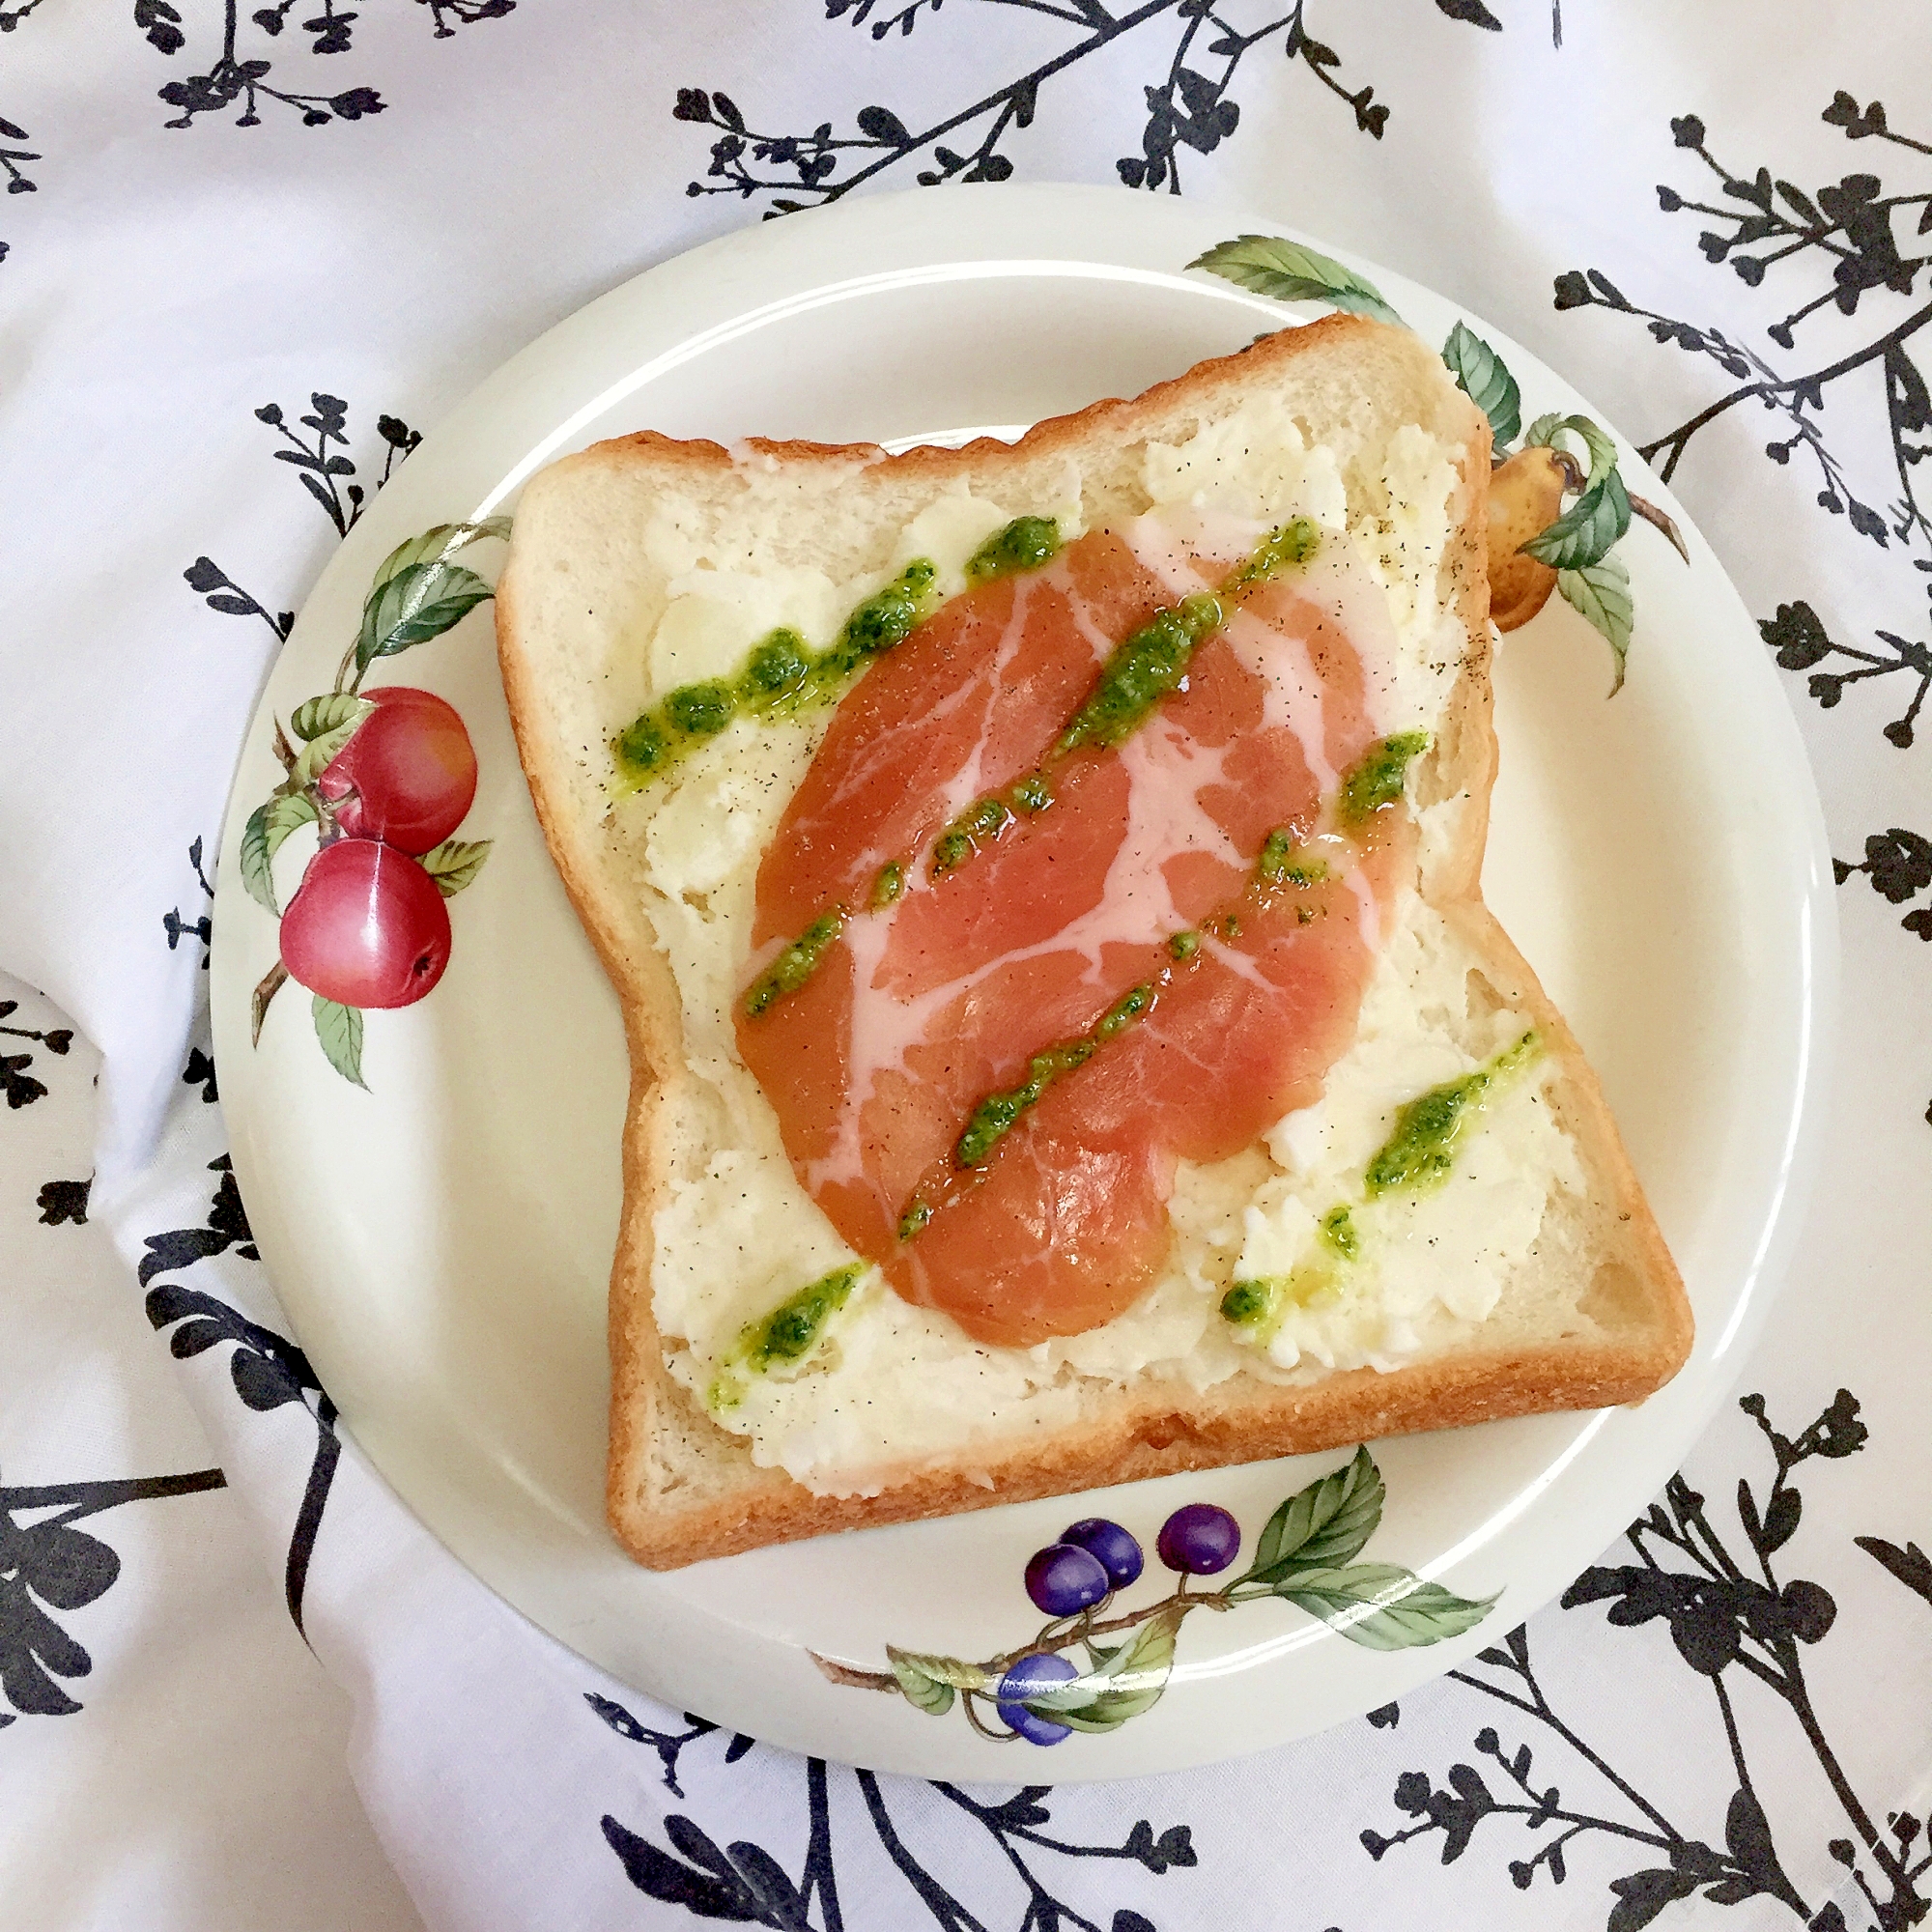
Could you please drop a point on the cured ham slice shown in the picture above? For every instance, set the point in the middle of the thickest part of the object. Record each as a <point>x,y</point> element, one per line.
<point>948,1080</point>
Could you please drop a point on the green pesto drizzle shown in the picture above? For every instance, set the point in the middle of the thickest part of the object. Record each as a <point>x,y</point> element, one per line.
<point>997,1113</point>
<point>1292,544</point>
<point>1249,1302</point>
<point>1376,780</point>
<point>795,964</point>
<point>1338,1229</point>
<point>1025,544</point>
<point>1140,672</point>
<point>889,885</point>
<point>781,674</point>
<point>1418,1155</point>
<point>1278,864</point>
<point>980,823</point>
<point>786,1334</point>
<point>1144,668</point>
<point>1184,945</point>
<point>1262,1301</point>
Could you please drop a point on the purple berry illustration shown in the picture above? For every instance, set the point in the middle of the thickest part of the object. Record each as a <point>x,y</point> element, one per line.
<point>1028,1678</point>
<point>1064,1579</point>
<point>1099,1684</point>
<point>1199,1540</point>
<point>1118,1553</point>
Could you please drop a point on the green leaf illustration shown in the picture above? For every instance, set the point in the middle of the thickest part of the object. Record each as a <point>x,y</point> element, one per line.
<point>1381,1606</point>
<point>1585,534</point>
<point>262,837</point>
<point>1481,375</point>
<point>419,593</point>
<point>1323,1525</point>
<point>1600,592</point>
<point>1290,272</point>
<point>339,1029</point>
<point>320,752</point>
<point>455,863</point>
<point>1128,1681</point>
<point>326,713</point>
<point>420,602</point>
<point>929,1682</point>
<point>436,545</point>
<point>1601,445</point>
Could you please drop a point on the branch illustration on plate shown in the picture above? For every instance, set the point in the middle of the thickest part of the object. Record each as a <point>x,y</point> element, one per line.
<point>1188,99</point>
<point>1852,225</point>
<point>1305,1556</point>
<point>1720,1619</point>
<point>1555,516</point>
<point>386,778</point>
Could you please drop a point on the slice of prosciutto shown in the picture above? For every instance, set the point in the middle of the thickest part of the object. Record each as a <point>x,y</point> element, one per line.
<point>945,984</point>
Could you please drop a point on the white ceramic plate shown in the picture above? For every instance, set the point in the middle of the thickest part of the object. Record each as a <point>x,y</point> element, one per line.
<point>442,1241</point>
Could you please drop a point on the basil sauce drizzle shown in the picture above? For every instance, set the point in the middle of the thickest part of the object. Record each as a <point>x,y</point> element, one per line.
<point>1141,671</point>
<point>796,964</point>
<point>995,1115</point>
<point>786,1334</point>
<point>1338,1231</point>
<point>782,675</point>
<point>1376,778</point>
<point>1279,866</point>
<point>1261,1301</point>
<point>1417,1157</point>
<point>1025,544</point>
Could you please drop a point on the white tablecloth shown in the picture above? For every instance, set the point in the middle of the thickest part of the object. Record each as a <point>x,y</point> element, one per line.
<point>248,257</point>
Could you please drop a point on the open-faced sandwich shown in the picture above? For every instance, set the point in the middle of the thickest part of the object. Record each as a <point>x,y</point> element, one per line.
<point>1041,882</point>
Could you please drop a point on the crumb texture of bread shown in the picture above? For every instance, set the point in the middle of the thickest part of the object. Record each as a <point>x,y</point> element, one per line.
<point>646,563</point>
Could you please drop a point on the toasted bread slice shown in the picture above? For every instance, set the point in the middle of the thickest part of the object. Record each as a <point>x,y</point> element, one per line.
<point>606,542</point>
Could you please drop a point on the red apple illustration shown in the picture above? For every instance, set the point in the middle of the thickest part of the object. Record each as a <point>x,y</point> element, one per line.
<point>367,927</point>
<point>407,775</point>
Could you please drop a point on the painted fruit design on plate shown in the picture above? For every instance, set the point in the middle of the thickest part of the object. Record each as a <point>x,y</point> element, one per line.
<point>1089,1671</point>
<point>1536,546</point>
<point>386,777</point>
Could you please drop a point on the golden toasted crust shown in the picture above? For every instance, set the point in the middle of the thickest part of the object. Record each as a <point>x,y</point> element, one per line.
<point>681,1489</point>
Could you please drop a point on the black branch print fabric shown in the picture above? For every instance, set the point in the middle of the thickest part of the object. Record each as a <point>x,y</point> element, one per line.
<point>1852,249</point>
<point>356,208</point>
<point>48,1566</point>
<point>256,63</point>
<point>1189,52</point>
